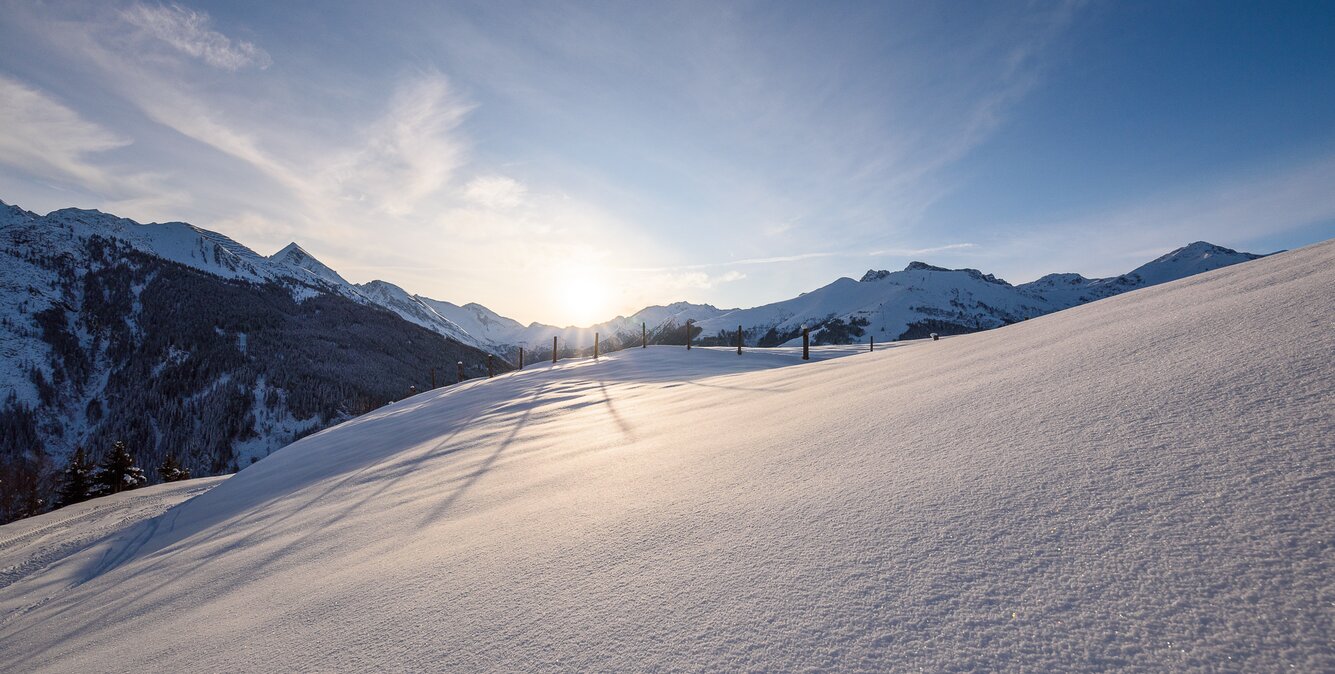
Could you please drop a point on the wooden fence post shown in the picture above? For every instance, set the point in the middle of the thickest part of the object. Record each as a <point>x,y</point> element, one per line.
<point>688,334</point>
<point>872,346</point>
<point>553,349</point>
<point>595,346</point>
<point>806,343</point>
<point>739,340</point>
<point>644,335</point>
<point>461,372</point>
<point>433,377</point>
<point>489,370</point>
<point>521,357</point>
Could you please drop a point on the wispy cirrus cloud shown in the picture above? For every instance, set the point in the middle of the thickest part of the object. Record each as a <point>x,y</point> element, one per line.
<point>190,32</point>
<point>495,191</point>
<point>43,135</point>
<point>52,143</point>
<point>693,280</point>
<point>411,152</point>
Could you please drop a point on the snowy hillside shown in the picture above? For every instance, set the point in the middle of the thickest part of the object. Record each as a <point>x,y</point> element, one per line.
<point>1144,483</point>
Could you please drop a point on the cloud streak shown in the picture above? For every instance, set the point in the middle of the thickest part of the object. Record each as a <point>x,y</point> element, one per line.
<point>783,259</point>
<point>49,142</point>
<point>189,32</point>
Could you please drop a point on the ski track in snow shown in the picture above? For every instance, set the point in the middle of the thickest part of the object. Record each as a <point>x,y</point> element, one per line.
<point>29,546</point>
<point>1144,483</point>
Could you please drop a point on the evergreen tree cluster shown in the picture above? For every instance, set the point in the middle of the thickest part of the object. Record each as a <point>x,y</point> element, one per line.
<point>118,472</point>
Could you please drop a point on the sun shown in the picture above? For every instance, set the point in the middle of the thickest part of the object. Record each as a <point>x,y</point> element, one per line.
<point>583,299</point>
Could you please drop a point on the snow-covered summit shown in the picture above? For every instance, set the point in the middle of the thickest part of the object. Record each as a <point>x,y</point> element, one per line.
<point>1188,260</point>
<point>67,230</point>
<point>296,258</point>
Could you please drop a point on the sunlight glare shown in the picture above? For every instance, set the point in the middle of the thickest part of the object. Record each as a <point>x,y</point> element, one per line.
<point>583,300</point>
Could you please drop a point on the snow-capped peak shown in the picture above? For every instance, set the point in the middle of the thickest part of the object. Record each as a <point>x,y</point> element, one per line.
<point>1190,259</point>
<point>295,257</point>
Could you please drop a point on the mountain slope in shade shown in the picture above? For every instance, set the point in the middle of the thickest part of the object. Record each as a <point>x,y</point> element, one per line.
<point>1139,484</point>
<point>183,343</point>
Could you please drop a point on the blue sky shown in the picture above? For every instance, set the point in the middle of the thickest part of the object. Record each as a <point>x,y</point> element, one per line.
<point>566,162</point>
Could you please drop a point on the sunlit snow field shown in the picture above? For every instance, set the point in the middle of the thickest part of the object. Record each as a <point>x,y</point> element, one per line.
<point>1144,482</point>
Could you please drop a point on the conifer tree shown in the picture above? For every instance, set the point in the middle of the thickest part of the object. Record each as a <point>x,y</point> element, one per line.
<point>76,484</point>
<point>171,470</point>
<point>118,472</point>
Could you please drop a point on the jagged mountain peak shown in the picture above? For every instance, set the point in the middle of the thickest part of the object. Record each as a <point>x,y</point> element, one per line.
<point>294,256</point>
<point>293,252</point>
<point>923,266</point>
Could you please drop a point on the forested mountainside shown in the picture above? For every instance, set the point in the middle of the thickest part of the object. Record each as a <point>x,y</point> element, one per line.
<point>102,342</point>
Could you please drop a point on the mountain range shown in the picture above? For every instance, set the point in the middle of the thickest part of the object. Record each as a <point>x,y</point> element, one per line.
<point>882,305</point>
<point>182,341</point>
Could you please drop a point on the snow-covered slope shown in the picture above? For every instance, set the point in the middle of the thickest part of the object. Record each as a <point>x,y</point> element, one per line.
<point>1145,483</point>
<point>417,309</point>
<point>28,546</point>
<point>483,325</point>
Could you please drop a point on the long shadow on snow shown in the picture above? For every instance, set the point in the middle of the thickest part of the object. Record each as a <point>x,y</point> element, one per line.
<point>335,454</point>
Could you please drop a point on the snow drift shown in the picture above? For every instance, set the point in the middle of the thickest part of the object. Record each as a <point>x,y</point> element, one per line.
<point>1144,482</point>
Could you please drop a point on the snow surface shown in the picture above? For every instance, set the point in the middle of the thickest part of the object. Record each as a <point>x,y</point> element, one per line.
<point>1141,483</point>
<point>30,545</point>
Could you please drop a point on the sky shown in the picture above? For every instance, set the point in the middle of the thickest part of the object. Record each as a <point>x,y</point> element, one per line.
<point>568,162</point>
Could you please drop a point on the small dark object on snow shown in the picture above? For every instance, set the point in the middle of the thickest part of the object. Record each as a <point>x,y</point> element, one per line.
<point>935,337</point>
